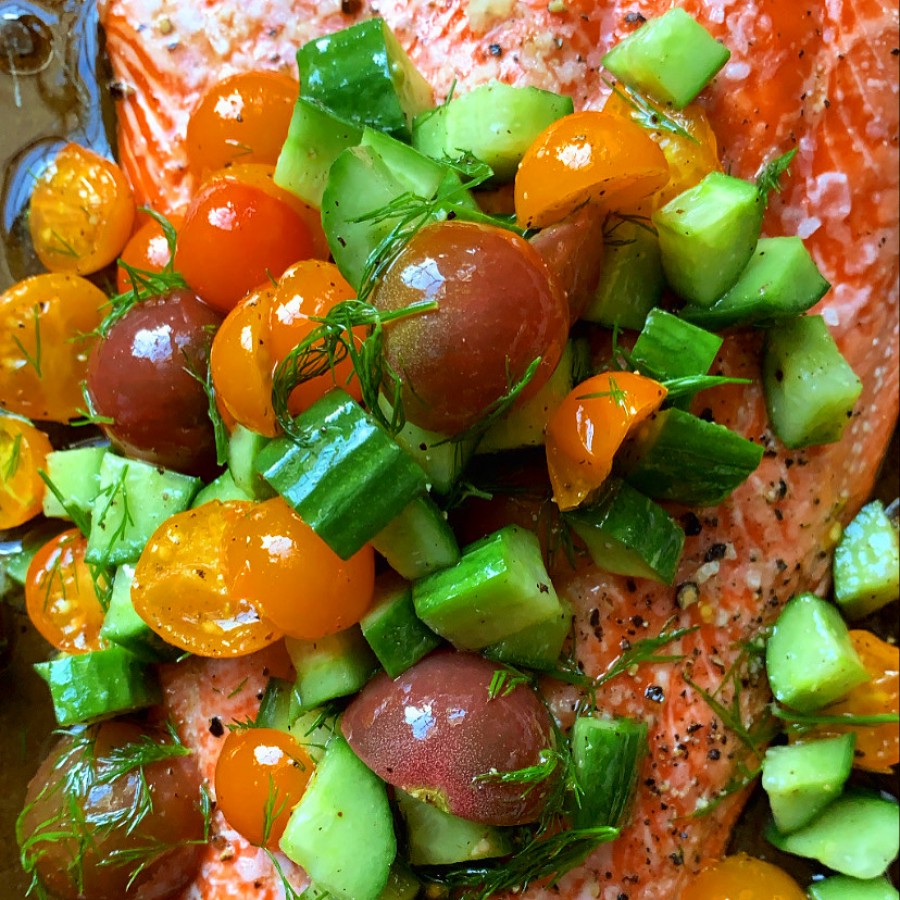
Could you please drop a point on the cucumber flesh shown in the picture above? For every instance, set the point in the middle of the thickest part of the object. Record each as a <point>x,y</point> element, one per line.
<point>810,658</point>
<point>538,646</point>
<point>76,474</point>
<point>842,887</point>
<point>342,831</point>
<point>222,489</point>
<point>280,705</point>
<point>802,779</point>
<point>244,446</point>
<point>668,347</point>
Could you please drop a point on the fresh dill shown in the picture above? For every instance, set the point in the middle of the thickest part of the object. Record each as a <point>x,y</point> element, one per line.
<point>549,760</point>
<point>804,721</point>
<point>646,114</point>
<point>88,415</point>
<point>692,384</point>
<point>615,393</point>
<point>769,177</point>
<point>237,689</point>
<point>32,359</point>
<point>220,432</point>
<point>78,516</point>
<point>14,458</point>
<point>505,681</point>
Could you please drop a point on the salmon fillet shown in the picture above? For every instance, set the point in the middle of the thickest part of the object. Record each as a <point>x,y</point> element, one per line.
<point>819,76</point>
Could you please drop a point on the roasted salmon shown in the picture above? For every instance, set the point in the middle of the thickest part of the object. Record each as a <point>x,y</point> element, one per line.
<point>818,76</point>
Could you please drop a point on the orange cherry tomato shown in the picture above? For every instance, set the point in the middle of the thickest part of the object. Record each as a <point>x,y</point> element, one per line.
<point>877,746</point>
<point>261,775</point>
<point>23,452</point>
<point>742,877</point>
<point>590,425</point>
<point>236,236</point>
<point>61,597</point>
<point>242,119</point>
<point>45,323</point>
<point>307,290</point>
<point>180,590</point>
<point>587,157</point>
<point>279,564</point>
<point>82,211</point>
<point>147,249</point>
<point>241,363</point>
<point>689,160</point>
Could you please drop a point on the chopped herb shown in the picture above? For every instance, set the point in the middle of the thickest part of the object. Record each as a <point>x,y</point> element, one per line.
<point>531,776</point>
<point>15,455</point>
<point>505,681</point>
<point>33,360</point>
<point>647,114</point>
<point>81,520</point>
<point>691,384</point>
<point>769,177</point>
<point>615,393</point>
<point>220,432</point>
<point>808,720</point>
<point>63,247</point>
<point>237,689</point>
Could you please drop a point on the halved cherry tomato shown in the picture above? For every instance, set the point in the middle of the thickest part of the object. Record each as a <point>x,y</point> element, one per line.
<point>82,211</point>
<point>61,596</point>
<point>877,746</point>
<point>147,249</point>
<point>278,564</point>
<point>242,119</point>
<point>23,452</point>
<point>587,157</point>
<point>689,160</point>
<point>44,344</point>
<point>742,877</point>
<point>180,589</point>
<point>236,236</point>
<point>261,775</point>
<point>590,425</point>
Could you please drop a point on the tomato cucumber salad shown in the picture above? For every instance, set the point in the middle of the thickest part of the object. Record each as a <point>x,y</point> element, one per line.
<point>393,368</point>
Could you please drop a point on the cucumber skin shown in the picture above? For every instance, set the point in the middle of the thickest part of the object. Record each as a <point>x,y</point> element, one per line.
<point>76,473</point>
<point>842,887</point>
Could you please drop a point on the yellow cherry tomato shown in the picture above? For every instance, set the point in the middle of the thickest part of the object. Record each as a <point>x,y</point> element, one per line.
<point>23,453</point>
<point>587,157</point>
<point>590,425</point>
<point>742,877</point>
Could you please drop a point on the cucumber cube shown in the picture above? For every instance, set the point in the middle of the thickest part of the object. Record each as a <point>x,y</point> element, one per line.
<point>342,831</point>
<point>538,646</point>
<point>810,388</point>
<point>707,235</point>
<point>781,280</point>
<point>628,534</point>
<point>802,779</point>
<point>671,348</point>
<point>499,587</point>
<point>842,887</point>
<point>671,58</point>
<point>280,705</point>
<point>401,884</point>
<point>135,499</point>
<point>222,489</point>
<point>244,446</point>
<point>76,474</point>
<point>867,563</point>
<point>810,658</point>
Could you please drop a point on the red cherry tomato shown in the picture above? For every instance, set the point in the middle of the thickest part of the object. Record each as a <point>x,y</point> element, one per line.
<point>261,775</point>
<point>61,597</point>
<point>741,877</point>
<point>147,249</point>
<point>23,453</point>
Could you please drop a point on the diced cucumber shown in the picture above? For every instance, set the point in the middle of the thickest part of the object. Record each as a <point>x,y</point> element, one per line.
<point>810,388</point>
<point>363,75</point>
<point>135,499</point>
<point>677,456</point>
<point>857,835</point>
<point>842,887</point>
<point>526,425</point>
<point>280,705</point>
<point>494,122</point>
<point>867,563</point>
<point>810,659</point>
<point>314,141</point>
<point>499,587</point>
<point>123,626</point>
<point>348,479</point>
<point>607,754</point>
<point>538,646</point>
<point>668,347</point>
<point>628,534</point>
<point>336,665</point>
<point>99,684</point>
<point>313,729</point>
<point>707,235</point>
<point>222,489</point>
<point>76,474</point>
<point>397,636</point>
<point>671,58</point>
<point>781,280</point>
<point>418,541</point>
<point>437,838</point>
<point>15,564</point>
<point>244,446</point>
<point>802,779</point>
<point>401,884</point>
<point>342,831</point>
<point>631,277</point>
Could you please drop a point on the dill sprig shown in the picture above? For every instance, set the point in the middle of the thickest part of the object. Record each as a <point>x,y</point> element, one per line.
<point>33,360</point>
<point>804,721</point>
<point>220,432</point>
<point>15,455</point>
<point>78,517</point>
<point>88,415</point>
<point>769,177</point>
<point>647,114</point>
<point>504,681</point>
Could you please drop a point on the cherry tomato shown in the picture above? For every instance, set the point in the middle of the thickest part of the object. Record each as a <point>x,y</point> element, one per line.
<point>147,249</point>
<point>261,775</point>
<point>742,877</point>
<point>82,211</point>
<point>61,596</point>
<point>236,236</point>
<point>278,564</point>
<point>23,452</point>
<point>590,425</point>
<point>690,159</point>
<point>241,363</point>
<point>45,323</point>
<point>877,746</point>
<point>587,157</point>
<point>180,590</point>
<point>242,119</point>
<point>498,310</point>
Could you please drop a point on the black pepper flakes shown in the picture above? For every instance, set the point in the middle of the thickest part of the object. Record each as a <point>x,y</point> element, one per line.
<point>655,693</point>
<point>216,728</point>
<point>495,50</point>
<point>691,524</point>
